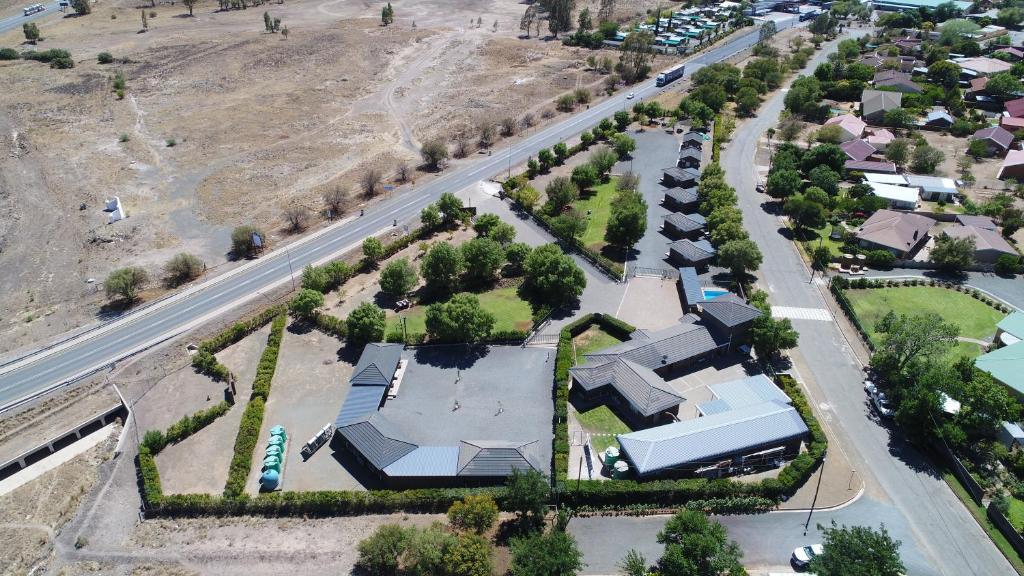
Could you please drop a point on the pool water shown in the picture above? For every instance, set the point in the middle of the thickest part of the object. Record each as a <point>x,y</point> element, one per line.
<point>712,293</point>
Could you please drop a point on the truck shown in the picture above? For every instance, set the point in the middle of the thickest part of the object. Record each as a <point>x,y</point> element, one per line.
<point>804,16</point>
<point>30,10</point>
<point>670,75</point>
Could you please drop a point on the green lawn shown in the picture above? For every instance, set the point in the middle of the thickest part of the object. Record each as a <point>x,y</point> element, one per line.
<point>975,319</point>
<point>1016,515</point>
<point>597,206</point>
<point>592,340</point>
<point>603,424</point>
<point>510,312</point>
<point>822,236</point>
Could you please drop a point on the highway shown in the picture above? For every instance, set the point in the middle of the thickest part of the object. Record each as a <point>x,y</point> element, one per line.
<point>46,369</point>
<point>17,19</point>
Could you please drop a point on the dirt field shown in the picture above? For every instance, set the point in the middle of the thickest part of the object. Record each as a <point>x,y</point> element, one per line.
<point>258,122</point>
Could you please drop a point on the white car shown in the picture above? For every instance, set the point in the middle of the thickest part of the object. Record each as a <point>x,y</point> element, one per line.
<point>630,96</point>
<point>803,555</point>
<point>878,399</point>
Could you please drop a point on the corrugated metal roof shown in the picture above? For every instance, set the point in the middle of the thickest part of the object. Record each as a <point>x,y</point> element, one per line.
<point>491,458</point>
<point>377,365</point>
<point>640,386</point>
<point>749,391</point>
<point>690,285</point>
<point>716,406</point>
<point>703,440</point>
<point>374,444</point>
<point>432,461</point>
<point>360,403</point>
<point>730,310</point>
<point>1005,364</point>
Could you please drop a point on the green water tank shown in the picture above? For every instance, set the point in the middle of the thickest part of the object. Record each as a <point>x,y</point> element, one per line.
<point>610,456</point>
<point>270,479</point>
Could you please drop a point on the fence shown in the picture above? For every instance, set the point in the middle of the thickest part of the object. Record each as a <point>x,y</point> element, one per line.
<point>968,481</point>
<point>646,272</point>
<point>1007,529</point>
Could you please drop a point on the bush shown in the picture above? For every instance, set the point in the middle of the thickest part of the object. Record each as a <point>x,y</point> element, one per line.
<point>477,513</point>
<point>47,56</point>
<point>879,259</point>
<point>183,267</point>
<point>9,54</point>
<point>105,58</point>
<point>189,425</point>
<point>1007,265</point>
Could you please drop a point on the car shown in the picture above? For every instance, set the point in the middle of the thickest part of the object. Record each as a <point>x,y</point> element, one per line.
<point>760,188</point>
<point>878,399</point>
<point>630,96</point>
<point>803,555</point>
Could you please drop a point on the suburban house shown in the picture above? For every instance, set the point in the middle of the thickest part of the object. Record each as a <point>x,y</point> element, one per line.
<point>938,118</point>
<point>681,177</point>
<point>1011,123</point>
<point>871,166</point>
<point>681,199</point>
<point>850,127</point>
<point>977,221</point>
<point>898,197</point>
<point>934,188</point>
<point>989,245</point>
<point>1014,108</point>
<point>688,252</point>
<point>1013,166</point>
<point>749,423</point>
<point>692,139</point>
<point>679,225</point>
<point>1006,366</point>
<point>689,158</point>
<point>729,316</point>
<point>901,233</point>
<point>875,103</point>
<point>899,81</point>
<point>857,150</point>
<point>981,66</point>
<point>997,138</point>
<point>880,138</point>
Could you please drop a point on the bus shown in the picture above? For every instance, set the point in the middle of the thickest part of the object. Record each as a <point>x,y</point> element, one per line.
<point>30,10</point>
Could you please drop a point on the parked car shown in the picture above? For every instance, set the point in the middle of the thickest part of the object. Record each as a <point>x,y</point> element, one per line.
<point>760,188</point>
<point>878,399</point>
<point>803,555</point>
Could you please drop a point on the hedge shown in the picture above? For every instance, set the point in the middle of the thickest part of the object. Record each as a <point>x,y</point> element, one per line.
<point>610,267</point>
<point>204,361</point>
<point>331,325</point>
<point>152,491</point>
<point>268,360</point>
<point>189,425</point>
<point>847,307</point>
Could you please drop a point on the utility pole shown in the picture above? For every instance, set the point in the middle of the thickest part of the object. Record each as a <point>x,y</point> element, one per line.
<point>290,271</point>
<point>821,473</point>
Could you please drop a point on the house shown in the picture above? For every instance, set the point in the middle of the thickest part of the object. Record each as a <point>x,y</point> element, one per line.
<point>976,88</point>
<point>1014,108</point>
<point>938,118</point>
<point>681,177</point>
<point>729,316</point>
<point>1010,330</point>
<point>978,222</point>
<point>997,138</point>
<point>1015,54</point>
<point>1006,366</point>
<point>1013,166</point>
<point>689,158</point>
<point>691,253</point>
<point>850,127</point>
<point>750,422</point>
<point>880,138</point>
<point>857,150</point>
<point>989,245</point>
<point>690,288</point>
<point>870,166</point>
<point>899,81</point>
<point>901,233</point>
<point>681,199</point>
<point>934,188</point>
<point>981,66</point>
<point>692,139</point>
<point>684,225</point>
<point>1011,123</point>
<point>875,103</point>
<point>899,197</point>
<point>894,179</point>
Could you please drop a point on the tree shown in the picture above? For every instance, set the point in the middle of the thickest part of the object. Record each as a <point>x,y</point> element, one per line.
<point>768,29</point>
<point>978,149</point>
<point>483,258</point>
<point>503,233</point>
<point>81,7</point>
<point>398,278</point>
<point>602,159</point>
<point>105,58</point>
<point>425,550</point>
<point>442,266</point>
<point>953,31</point>
<point>783,183</point>
<point>585,176</point>
<point>335,199</point>
<point>569,224</point>
<point>1004,85</point>
<point>633,564</point>
<point>624,145</point>
<point>125,283</point>
<point>628,220</point>
<point>821,256</point>
<point>696,546</point>
<point>944,73</point>
<point>560,15</point>
<point>387,15</point>
<point>828,155</point>
<point>984,405</point>
<point>769,336</point>
<point>621,120</point>
<point>488,133</point>
<point>460,319</point>
<point>728,232</point>
<point>244,243</point>
<point>1007,265</point>
<point>898,151</point>
<point>925,159</point>
<point>451,208</point>
<point>561,192</point>
<point>183,267</point>
<point>1012,16</point>
<point>529,17</point>
<point>561,151</point>
<point>857,551</point>
<point>606,11</point>
<point>31,31</point>
<point>470,555</point>
<point>552,554</point>
<point>485,223</point>
<point>635,59</point>
<point>553,276</point>
<point>306,303</point>
<point>476,512</point>
<point>897,118</point>
<point>297,217</point>
<point>379,554</point>
<point>190,4</point>
<point>825,178</point>
<point>823,24</point>
<point>365,324</point>
<point>907,339</point>
<point>805,213</point>
<point>434,154</point>
<point>790,130</point>
<point>747,102</point>
<point>430,217</point>
<point>373,249</point>
<point>740,257</point>
<point>952,254</point>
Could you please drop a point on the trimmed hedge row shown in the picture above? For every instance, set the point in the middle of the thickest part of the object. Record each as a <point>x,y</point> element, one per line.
<point>268,360</point>
<point>331,325</point>
<point>189,425</point>
<point>847,307</point>
<point>204,361</point>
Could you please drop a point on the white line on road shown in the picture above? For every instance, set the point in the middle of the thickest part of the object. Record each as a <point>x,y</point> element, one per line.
<point>794,313</point>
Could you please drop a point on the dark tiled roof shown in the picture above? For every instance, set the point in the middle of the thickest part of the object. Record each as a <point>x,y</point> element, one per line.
<point>730,310</point>
<point>691,251</point>
<point>686,222</point>
<point>641,387</point>
<point>976,221</point>
<point>371,439</point>
<point>871,166</point>
<point>682,195</point>
<point>690,153</point>
<point>491,458</point>
<point>653,350</point>
<point>682,174</point>
<point>377,365</point>
<point>857,149</point>
<point>997,134</point>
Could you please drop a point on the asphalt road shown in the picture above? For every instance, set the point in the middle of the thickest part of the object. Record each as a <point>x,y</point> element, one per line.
<point>16,20</point>
<point>948,537</point>
<point>95,349</point>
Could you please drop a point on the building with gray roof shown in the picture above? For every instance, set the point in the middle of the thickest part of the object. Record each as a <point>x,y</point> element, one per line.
<point>681,177</point>
<point>688,252</point>
<point>875,103</point>
<point>690,287</point>
<point>729,316</point>
<point>448,415</point>
<point>689,158</point>
<point>681,199</point>
<point>692,139</point>
<point>684,225</point>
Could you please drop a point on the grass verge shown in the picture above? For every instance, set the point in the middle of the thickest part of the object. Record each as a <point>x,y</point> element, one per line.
<point>979,515</point>
<point>510,313</point>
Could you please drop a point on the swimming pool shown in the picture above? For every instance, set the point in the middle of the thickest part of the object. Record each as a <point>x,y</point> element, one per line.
<point>712,293</point>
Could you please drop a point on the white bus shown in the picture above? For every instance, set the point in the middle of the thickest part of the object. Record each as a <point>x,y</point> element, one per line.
<point>29,10</point>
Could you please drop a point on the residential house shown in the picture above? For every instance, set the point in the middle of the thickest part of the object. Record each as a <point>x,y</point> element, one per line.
<point>1013,166</point>
<point>976,88</point>
<point>1011,123</point>
<point>870,166</point>
<point>850,127</point>
<point>680,177</point>
<point>896,80</point>
<point>901,233</point>
<point>688,252</point>
<point>875,103</point>
<point>989,245</point>
<point>689,158</point>
<point>880,138</point>
<point>1014,108</point>
<point>983,222</point>
<point>1006,366</point>
<point>857,150</point>
<point>934,188</point>
<point>729,316</point>
<point>899,197</point>
<point>997,139</point>
<point>938,118</point>
<point>678,225</point>
<point>692,139</point>
<point>681,199</point>
<point>981,66</point>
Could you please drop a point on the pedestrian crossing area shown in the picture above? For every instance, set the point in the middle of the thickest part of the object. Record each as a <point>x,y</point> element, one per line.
<point>794,313</point>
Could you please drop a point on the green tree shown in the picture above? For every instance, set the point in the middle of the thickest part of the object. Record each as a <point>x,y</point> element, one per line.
<point>373,249</point>
<point>1007,265</point>
<point>696,546</point>
<point>908,339</point>
<point>728,232</point>
<point>398,278</point>
<point>485,223</point>
<point>583,21</point>
<point>425,550</point>
<point>552,554</point>
<point>783,183</point>
<point>747,102</point>
<point>516,255</point>
<point>633,564</point>
<point>953,31</point>
<point>306,303</point>
<point>1011,16</point>
<point>624,145</point>
<point>380,553</point>
<point>365,324</point>
<point>569,224</point>
<point>857,551</point>
<point>125,283</point>
<point>628,220</point>
<point>898,152</point>
<point>944,73</point>
<point>603,159</point>
<point>434,153</point>
<point>740,257</point>
<point>1004,85</point>
<point>828,155</point>
<point>898,118</point>
<point>621,120</point>
<point>460,319</point>
<point>81,7</point>
<point>561,192</point>
<point>451,208</point>
<point>243,243</point>
<point>804,213</point>
<point>825,178</point>
<point>430,217</point>
<point>527,495</point>
<point>31,32</point>
<point>387,15</point>
<point>559,15</point>
<point>637,50</point>
<point>585,176</point>
<point>483,258</point>
<point>553,276</point>
<point>769,336</point>
<point>977,149</point>
<point>476,512</point>
<point>469,556</point>
<point>925,159</point>
<point>183,267</point>
<point>546,158</point>
<point>503,233</point>
<point>441,268</point>
<point>952,254</point>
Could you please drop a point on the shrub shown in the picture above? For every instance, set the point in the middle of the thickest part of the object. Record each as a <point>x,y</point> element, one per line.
<point>477,513</point>
<point>183,267</point>
<point>9,54</point>
<point>879,258</point>
<point>105,58</point>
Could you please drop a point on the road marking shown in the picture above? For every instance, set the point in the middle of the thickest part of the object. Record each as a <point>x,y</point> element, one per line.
<point>802,313</point>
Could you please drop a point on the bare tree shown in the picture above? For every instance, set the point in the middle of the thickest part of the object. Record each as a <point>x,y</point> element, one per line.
<point>508,126</point>
<point>369,182</point>
<point>403,171</point>
<point>488,133</point>
<point>529,120</point>
<point>336,199</point>
<point>529,17</point>
<point>297,217</point>
<point>606,12</point>
<point>461,146</point>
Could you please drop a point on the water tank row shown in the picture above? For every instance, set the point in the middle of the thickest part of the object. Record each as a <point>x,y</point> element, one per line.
<point>273,458</point>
